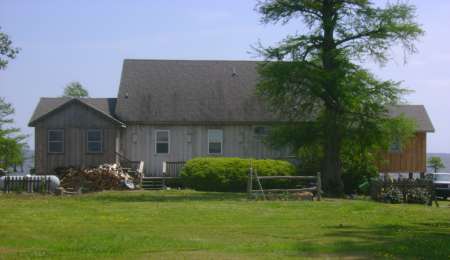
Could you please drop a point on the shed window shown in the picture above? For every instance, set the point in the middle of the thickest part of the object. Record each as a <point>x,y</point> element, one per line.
<point>94,141</point>
<point>56,141</point>
<point>215,141</point>
<point>395,146</point>
<point>162,141</point>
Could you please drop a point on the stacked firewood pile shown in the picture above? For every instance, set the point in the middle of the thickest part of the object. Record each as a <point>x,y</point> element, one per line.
<point>103,177</point>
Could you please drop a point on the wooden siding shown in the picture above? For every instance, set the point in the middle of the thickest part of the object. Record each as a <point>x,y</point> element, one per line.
<point>412,157</point>
<point>186,142</point>
<point>75,119</point>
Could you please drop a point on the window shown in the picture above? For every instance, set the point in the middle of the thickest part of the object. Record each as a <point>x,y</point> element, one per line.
<point>55,141</point>
<point>215,140</point>
<point>395,146</point>
<point>261,131</point>
<point>162,141</point>
<point>94,141</point>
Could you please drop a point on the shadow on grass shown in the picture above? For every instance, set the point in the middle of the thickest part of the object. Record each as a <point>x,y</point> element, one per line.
<point>170,196</point>
<point>417,241</point>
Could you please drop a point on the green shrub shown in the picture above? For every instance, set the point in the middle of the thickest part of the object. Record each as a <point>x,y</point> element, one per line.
<point>230,174</point>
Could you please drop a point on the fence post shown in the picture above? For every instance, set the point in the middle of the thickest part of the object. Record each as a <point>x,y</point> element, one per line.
<point>6,184</point>
<point>164,168</point>
<point>249,182</point>
<point>319,186</point>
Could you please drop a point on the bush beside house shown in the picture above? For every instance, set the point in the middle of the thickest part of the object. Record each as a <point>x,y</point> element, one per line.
<point>230,174</point>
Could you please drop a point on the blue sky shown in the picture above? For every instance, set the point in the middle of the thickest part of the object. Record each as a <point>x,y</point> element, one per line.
<point>86,41</point>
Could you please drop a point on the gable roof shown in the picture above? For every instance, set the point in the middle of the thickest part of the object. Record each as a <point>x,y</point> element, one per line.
<point>194,91</point>
<point>416,112</point>
<point>205,91</point>
<point>190,92</point>
<point>47,106</point>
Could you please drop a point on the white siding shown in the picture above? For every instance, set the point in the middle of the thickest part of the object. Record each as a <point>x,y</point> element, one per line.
<point>187,142</point>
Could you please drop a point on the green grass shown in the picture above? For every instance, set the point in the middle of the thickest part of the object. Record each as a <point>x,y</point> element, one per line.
<point>187,224</point>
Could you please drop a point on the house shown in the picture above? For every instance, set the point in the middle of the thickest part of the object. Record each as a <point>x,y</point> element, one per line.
<point>174,110</point>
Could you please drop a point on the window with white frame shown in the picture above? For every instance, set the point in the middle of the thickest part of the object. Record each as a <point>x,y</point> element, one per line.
<point>215,141</point>
<point>162,141</point>
<point>55,138</point>
<point>94,141</point>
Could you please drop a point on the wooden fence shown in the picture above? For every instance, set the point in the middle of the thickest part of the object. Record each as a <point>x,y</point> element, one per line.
<point>317,189</point>
<point>30,184</point>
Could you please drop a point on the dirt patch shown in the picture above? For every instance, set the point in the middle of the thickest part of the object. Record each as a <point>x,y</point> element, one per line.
<point>7,250</point>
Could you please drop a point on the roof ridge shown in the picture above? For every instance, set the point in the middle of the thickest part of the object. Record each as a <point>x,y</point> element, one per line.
<point>81,98</point>
<point>210,60</point>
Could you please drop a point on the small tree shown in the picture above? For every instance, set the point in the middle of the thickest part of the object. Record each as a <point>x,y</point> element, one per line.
<point>436,163</point>
<point>75,89</point>
<point>11,140</point>
<point>6,50</point>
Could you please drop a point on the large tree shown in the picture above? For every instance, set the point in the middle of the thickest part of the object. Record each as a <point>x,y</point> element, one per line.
<point>322,82</point>
<point>6,50</point>
<point>75,89</point>
<point>12,143</point>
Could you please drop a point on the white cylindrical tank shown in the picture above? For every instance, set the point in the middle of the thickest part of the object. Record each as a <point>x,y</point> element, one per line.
<point>30,182</point>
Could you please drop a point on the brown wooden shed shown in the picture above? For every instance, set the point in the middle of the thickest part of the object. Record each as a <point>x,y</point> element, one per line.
<point>412,157</point>
<point>78,132</point>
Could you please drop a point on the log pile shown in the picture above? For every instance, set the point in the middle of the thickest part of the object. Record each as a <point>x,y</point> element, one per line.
<point>103,177</point>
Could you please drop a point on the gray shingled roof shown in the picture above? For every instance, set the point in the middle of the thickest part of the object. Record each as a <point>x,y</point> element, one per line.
<point>188,91</point>
<point>167,91</point>
<point>416,112</point>
<point>105,106</point>
<point>198,91</point>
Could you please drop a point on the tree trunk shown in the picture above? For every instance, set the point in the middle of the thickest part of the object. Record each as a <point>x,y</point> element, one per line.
<point>331,165</point>
<point>332,181</point>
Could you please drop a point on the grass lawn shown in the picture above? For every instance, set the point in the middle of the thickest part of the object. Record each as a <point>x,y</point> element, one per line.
<point>187,224</point>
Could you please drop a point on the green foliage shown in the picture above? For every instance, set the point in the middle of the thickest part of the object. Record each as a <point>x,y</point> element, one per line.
<point>11,140</point>
<point>359,28</point>
<point>229,174</point>
<point>314,76</point>
<point>76,90</point>
<point>365,144</point>
<point>362,146</point>
<point>11,152</point>
<point>310,158</point>
<point>436,163</point>
<point>6,50</point>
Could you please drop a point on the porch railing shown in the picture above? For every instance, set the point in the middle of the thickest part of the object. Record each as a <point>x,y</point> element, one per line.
<point>172,169</point>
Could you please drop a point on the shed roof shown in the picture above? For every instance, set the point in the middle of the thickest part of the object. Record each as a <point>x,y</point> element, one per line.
<point>416,112</point>
<point>46,106</point>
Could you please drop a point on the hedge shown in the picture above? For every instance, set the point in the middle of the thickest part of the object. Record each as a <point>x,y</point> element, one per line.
<point>230,174</point>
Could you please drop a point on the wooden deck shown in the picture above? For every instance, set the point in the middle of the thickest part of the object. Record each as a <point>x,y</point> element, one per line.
<point>171,170</point>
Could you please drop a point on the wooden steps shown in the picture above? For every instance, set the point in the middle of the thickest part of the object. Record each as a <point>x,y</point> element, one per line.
<point>153,183</point>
